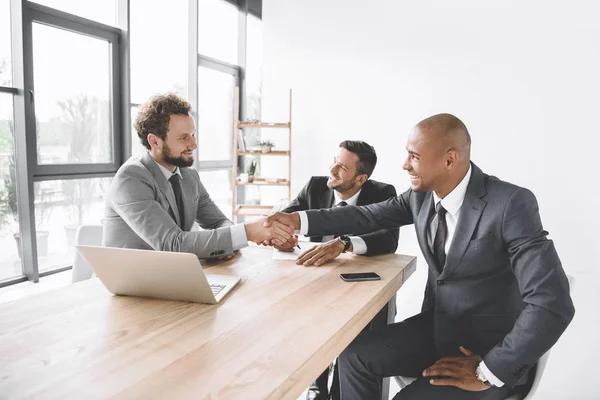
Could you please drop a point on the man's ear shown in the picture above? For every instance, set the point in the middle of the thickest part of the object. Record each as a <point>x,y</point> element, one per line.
<point>153,141</point>
<point>361,179</point>
<point>451,158</point>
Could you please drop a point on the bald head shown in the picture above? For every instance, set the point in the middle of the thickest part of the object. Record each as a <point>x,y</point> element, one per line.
<point>439,154</point>
<point>449,131</point>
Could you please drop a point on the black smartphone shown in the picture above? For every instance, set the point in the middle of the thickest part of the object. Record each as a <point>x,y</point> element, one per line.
<point>360,276</point>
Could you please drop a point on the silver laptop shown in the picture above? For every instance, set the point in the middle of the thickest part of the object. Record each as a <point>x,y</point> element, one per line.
<point>156,274</point>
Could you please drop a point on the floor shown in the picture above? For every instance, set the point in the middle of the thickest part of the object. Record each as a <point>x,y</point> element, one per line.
<point>571,369</point>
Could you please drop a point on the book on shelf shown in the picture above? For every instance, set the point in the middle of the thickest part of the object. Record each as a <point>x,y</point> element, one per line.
<point>241,142</point>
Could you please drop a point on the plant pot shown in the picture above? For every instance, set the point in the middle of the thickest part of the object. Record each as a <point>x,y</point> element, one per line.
<point>42,243</point>
<point>250,178</point>
<point>244,177</point>
<point>71,233</point>
<point>266,149</point>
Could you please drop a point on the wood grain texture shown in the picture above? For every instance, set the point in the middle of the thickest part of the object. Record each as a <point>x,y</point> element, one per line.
<point>268,339</point>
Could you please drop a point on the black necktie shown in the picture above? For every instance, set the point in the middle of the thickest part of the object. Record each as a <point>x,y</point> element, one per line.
<point>175,180</point>
<point>440,236</point>
<point>340,204</point>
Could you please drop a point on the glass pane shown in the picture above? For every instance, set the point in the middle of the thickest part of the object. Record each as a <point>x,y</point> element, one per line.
<point>72,97</point>
<point>215,114</point>
<point>218,185</point>
<point>104,11</point>
<point>254,58</point>
<point>137,149</point>
<point>10,262</point>
<point>218,30</point>
<point>5,56</point>
<point>61,206</point>
<point>159,48</point>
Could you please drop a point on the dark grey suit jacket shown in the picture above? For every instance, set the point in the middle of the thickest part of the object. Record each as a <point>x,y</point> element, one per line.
<point>141,213</point>
<point>316,195</point>
<point>502,293</point>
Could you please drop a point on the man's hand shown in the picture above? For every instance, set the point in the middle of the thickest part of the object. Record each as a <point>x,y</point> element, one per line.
<point>229,257</point>
<point>276,233</point>
<point>320,254</point>
<point>288,246</point>
<point>292,220</point>
<point>456,371</point>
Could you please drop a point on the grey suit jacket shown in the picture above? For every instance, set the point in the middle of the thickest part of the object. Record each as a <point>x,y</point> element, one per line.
<point>141,212</point>
<point>502,292</point>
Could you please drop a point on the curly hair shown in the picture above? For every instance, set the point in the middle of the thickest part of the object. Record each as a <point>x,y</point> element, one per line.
<point>154,115</point>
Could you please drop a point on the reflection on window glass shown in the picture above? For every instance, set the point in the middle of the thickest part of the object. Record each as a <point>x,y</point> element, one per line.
<point>103,11</point>
<point>159,48</point>
<point>215,114</point>
<point>72,108</point>
<point>218,30</point>
<point>218,185</point>
<point>10,262</point>
<point>5,56</point>
<point>61,206</point>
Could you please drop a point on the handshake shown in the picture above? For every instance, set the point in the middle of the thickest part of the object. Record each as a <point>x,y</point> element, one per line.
<point>278,230</point>
<point>275,230</point>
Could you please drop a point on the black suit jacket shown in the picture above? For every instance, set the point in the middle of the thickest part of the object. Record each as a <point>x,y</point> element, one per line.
<point>502,292</point>
<point>316,195</point>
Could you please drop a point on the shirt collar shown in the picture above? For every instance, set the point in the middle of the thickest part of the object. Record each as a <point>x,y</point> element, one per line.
<point>453,201</point>
<point>165,171</point>
<point>351,201</point>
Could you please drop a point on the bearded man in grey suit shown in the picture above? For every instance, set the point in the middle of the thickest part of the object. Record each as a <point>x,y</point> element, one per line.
<point>497,297</point>
<point>154,200</point>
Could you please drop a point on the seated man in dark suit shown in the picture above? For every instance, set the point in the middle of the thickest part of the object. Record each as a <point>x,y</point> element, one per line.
<point>348,183</point>
<point>497,297</point>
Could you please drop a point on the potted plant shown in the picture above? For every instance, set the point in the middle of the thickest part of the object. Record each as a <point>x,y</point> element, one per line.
<point>251,170</point>
<point>9,213</point>
<point>266,146</point>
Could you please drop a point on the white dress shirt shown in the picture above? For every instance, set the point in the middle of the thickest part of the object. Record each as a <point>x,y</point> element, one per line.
<point>358,244</point>
<point>238,231</point>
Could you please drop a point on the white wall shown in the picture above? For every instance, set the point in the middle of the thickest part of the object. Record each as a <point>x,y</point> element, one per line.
<point>523,75</point>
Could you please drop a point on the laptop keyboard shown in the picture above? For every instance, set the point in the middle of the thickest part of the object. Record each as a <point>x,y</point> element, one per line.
<point>216,289</point>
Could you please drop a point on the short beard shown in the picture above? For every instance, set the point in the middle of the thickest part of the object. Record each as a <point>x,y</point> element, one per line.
<point>343,187</point>
<point>176,161</point>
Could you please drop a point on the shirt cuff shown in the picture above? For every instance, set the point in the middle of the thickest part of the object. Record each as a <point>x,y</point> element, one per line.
<point>489,376</point>
<point>358,245</point>
<point>238,236</point>
<point>303,223</point>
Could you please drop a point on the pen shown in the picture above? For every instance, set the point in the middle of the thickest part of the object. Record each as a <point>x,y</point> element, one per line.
<point>298,246</point>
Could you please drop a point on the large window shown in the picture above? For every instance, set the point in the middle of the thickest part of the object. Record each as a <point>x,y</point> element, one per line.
<point>159,48</point>
<point>5,57</point>
<point>104,11</point>
<point>10,260</point>
<point>72,111</point>
<point>218,30</point>
<point>215,114</point>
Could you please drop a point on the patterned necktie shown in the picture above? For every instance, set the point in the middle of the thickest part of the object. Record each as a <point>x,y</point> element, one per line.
<point>340,204</point>
<point>441,233</point>
<point>175,180</point>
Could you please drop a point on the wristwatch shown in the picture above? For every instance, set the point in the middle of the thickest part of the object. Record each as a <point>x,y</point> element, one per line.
<point>481,377</point>
<point>346,241</point>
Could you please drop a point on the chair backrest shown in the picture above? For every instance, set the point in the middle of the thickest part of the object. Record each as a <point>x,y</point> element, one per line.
<point>90,235</point>
<point>541,364</point>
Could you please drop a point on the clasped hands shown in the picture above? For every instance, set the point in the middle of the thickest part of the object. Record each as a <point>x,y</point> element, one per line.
<point>278,230</point>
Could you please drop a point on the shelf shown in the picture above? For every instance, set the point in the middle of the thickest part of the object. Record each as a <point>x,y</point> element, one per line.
<point>263,124</point>
<point>260,153</point>
<point>252,209</point>
<point>262,182</point>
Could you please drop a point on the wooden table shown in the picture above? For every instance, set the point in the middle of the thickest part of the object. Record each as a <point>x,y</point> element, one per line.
<point>268,339</point>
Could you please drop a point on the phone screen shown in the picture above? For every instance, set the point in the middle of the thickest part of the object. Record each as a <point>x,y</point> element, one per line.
<point>360,276</point>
